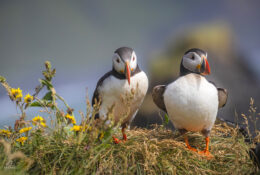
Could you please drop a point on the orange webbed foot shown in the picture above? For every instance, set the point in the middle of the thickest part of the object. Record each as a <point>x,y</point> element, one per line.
<point>192,149</point>
<point>206,153</point>
<point>188,145</point>
<point>116,140</point>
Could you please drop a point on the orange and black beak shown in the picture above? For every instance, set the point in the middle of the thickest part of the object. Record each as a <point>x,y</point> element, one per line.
<point>205,69</point>
<point>127,72</point>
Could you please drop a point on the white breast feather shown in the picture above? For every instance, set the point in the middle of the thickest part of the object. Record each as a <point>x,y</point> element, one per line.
<point>113,89</point>
<point>192,103</point>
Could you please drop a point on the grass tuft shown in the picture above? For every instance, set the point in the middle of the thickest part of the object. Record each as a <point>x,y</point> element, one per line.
<point>154,151</point>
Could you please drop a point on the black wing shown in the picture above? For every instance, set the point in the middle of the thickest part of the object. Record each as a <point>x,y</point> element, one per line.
<point>96,98</point>
<point>222,97</point>
<point>157,95</point>
<point>96,95</point>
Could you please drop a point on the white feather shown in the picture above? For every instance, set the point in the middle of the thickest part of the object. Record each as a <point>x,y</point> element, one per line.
<point>192,103</point>
<point>112,91</point>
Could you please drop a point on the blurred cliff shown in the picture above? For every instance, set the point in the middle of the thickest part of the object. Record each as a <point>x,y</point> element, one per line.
<point>230,69</point>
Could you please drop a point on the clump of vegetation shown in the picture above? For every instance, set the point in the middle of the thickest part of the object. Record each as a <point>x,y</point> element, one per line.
<point>66,146</point>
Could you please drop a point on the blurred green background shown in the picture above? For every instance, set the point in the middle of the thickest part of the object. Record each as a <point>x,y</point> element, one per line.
<point>79,38</point>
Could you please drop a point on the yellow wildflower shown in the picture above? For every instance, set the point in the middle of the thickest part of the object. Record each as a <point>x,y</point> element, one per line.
<point>5,132</point>
<point>25,130</point>
<point>28,98</point>
<point>17,93</point>
<point>43,124</point>
<point>71,118</point>
<point>76,128</point>
<point>22,140</point>
<point>40,120</point>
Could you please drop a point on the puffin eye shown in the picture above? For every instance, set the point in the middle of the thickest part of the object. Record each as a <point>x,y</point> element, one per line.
<point>117,60</point>
<point>133,58</point>
<point>193,57</point>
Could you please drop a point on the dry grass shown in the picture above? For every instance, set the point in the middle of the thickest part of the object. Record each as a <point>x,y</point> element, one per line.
<point>155,151</point>
<point>160,151</point>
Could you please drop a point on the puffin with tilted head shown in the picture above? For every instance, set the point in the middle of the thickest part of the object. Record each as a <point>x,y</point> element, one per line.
<point>191,101</point>
<point>125,79</point>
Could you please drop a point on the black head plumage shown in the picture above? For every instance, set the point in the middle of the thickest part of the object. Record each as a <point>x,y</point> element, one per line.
<point>124,52</point>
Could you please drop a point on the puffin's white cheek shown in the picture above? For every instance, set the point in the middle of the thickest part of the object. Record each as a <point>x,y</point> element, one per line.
<point>119,67</point>
<point>133,65</point>
<point>188,64</point>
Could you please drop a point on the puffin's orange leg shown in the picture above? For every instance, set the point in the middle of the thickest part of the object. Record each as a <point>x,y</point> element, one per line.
<point>206,151</point>
<point>116,140</point>
<point>188,145</point>
<point>124,135</point>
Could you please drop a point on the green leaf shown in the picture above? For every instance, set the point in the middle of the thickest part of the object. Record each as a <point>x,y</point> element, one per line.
<point>48,96</point>
<point>166,120</point>
<point>49,104</point>
<point>46,83</point>
<point>36,104</point>
<point>42,103</point>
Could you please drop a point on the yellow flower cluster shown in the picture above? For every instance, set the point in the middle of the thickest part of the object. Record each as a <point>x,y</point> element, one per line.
<point>17,93</point>
<point>81,128</point>
<point>71,118</point>
<point>22,140</point>
<point>5,132</point>
<point>38,119</point>
<point>43,124</point>
<point>25,130</point>
<point>28,98</point>
<point>76,128</point>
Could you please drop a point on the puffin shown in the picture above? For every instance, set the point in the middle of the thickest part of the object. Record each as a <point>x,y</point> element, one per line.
<point>123,89</point>
<point>191,101</point>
